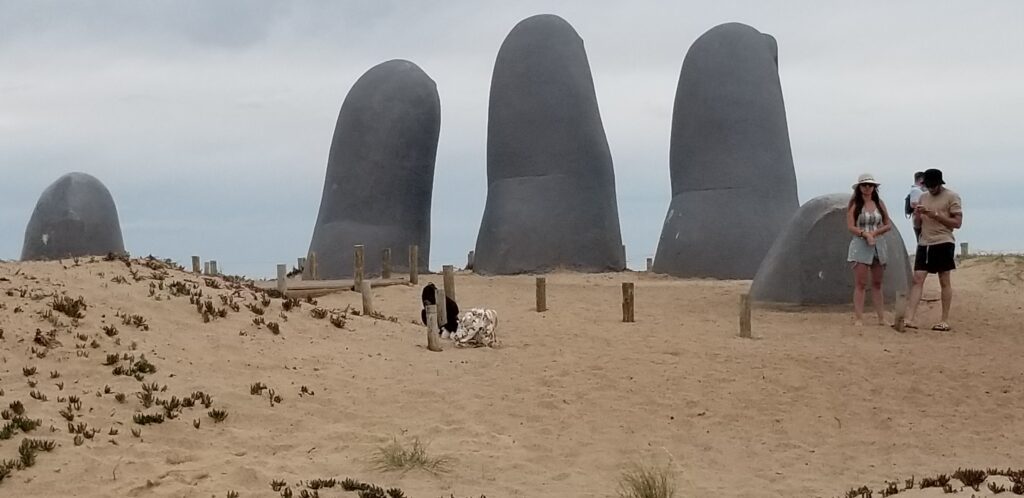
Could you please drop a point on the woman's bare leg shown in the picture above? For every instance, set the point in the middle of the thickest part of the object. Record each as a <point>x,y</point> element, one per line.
<point>860,281</point>
<point>877,273</point>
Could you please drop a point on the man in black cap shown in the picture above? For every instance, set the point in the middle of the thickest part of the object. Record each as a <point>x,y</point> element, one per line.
<point>941,213</point>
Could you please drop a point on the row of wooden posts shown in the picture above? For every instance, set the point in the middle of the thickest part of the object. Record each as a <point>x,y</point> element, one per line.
<point>210,267</point>
<point>310,270</point>
<point>309,267</point>
<point>629,298</point>
<point>363,285</point>
<point>437,314</point>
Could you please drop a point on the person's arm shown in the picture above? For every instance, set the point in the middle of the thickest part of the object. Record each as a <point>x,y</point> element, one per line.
<point>886,222</point>
<point>915,199</point>
<point>954,220</point>
<point>851,224</point>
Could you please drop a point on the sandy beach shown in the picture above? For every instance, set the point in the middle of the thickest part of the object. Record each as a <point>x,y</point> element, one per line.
<point>812,406</point>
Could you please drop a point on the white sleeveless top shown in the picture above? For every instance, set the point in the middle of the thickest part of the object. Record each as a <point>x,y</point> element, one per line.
<point>860,251</point>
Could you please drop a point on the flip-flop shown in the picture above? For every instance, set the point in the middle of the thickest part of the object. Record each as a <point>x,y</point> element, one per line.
<point>909,325</point>
<point>942,327</point>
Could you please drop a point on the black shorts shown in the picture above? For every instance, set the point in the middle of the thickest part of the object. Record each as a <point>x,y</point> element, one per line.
<point>937,258</point>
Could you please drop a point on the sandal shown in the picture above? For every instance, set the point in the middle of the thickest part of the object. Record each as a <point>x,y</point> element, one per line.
<point>909,325</point>
<point>942,327</point>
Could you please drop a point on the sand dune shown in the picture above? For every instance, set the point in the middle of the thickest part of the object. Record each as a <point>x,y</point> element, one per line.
<point>812,407</point>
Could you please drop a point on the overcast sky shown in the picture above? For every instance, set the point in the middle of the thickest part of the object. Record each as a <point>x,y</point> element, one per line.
<point>210,121</point>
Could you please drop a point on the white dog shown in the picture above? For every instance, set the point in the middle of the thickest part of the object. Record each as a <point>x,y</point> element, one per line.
<point>477,328</point>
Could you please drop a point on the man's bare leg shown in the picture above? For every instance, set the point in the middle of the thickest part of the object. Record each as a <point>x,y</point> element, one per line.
<point>947,294</point>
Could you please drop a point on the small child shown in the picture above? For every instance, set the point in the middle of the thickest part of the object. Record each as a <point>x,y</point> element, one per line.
<point>452,309</point>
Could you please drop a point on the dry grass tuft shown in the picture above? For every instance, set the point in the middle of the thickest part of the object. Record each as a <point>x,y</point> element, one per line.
<point>641,481</point>
<point>396,457</point>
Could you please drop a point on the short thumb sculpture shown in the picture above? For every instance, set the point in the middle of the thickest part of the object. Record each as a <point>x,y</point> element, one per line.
<point>75,216</point>
<point>807,263</point>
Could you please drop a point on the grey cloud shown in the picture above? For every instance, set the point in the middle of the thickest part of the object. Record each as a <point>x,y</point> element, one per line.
<point>229,23</point>
<point>213,119</point>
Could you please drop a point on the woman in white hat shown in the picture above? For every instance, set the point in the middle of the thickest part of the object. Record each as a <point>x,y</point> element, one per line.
<point>867,219</point>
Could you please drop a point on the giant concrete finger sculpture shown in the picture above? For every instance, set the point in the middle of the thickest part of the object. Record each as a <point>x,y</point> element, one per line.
<point>75,216</point>
<point>807,263</point>
<point>550,185</point>
<point>733,185</point>
<point>380,172</point>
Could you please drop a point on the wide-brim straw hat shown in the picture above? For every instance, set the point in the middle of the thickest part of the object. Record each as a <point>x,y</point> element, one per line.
<point>866,178</point>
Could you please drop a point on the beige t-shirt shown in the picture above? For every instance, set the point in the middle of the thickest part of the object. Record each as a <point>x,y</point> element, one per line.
<point>946,203</point>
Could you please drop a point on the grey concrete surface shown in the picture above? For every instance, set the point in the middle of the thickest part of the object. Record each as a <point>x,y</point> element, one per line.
<point>733,182</point>
<point>550,183</point>
<point>380,172</point>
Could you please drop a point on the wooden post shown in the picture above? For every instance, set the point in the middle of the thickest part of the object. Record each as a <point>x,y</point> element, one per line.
<point>442,307</point>
<point>963,250</point>
<point>650,264</point>
<point>312,266</point>
<point>745,315</point>
<point>385,263</point>
<point>195,264</point>
<point>367,297</point>
<point>357,271</point>
<point>414,262</point>
<point>542,294</point>
<point>449,281</point>
<point>470,259</point>
<point>627,302</point>
<point>282,279</point>
<point>213,267</point>
<point>900,312</point>
<point>433,341</point>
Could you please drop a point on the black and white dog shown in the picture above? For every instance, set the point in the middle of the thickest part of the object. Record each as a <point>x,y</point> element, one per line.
<point>430,298</point>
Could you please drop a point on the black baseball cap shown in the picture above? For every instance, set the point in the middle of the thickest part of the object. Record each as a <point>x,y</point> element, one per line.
<point>933,177</point>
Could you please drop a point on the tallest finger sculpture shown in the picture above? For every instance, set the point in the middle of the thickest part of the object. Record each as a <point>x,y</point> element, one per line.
<point>380,172</point>
<point>733,184</point>
<point>550,185</point>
